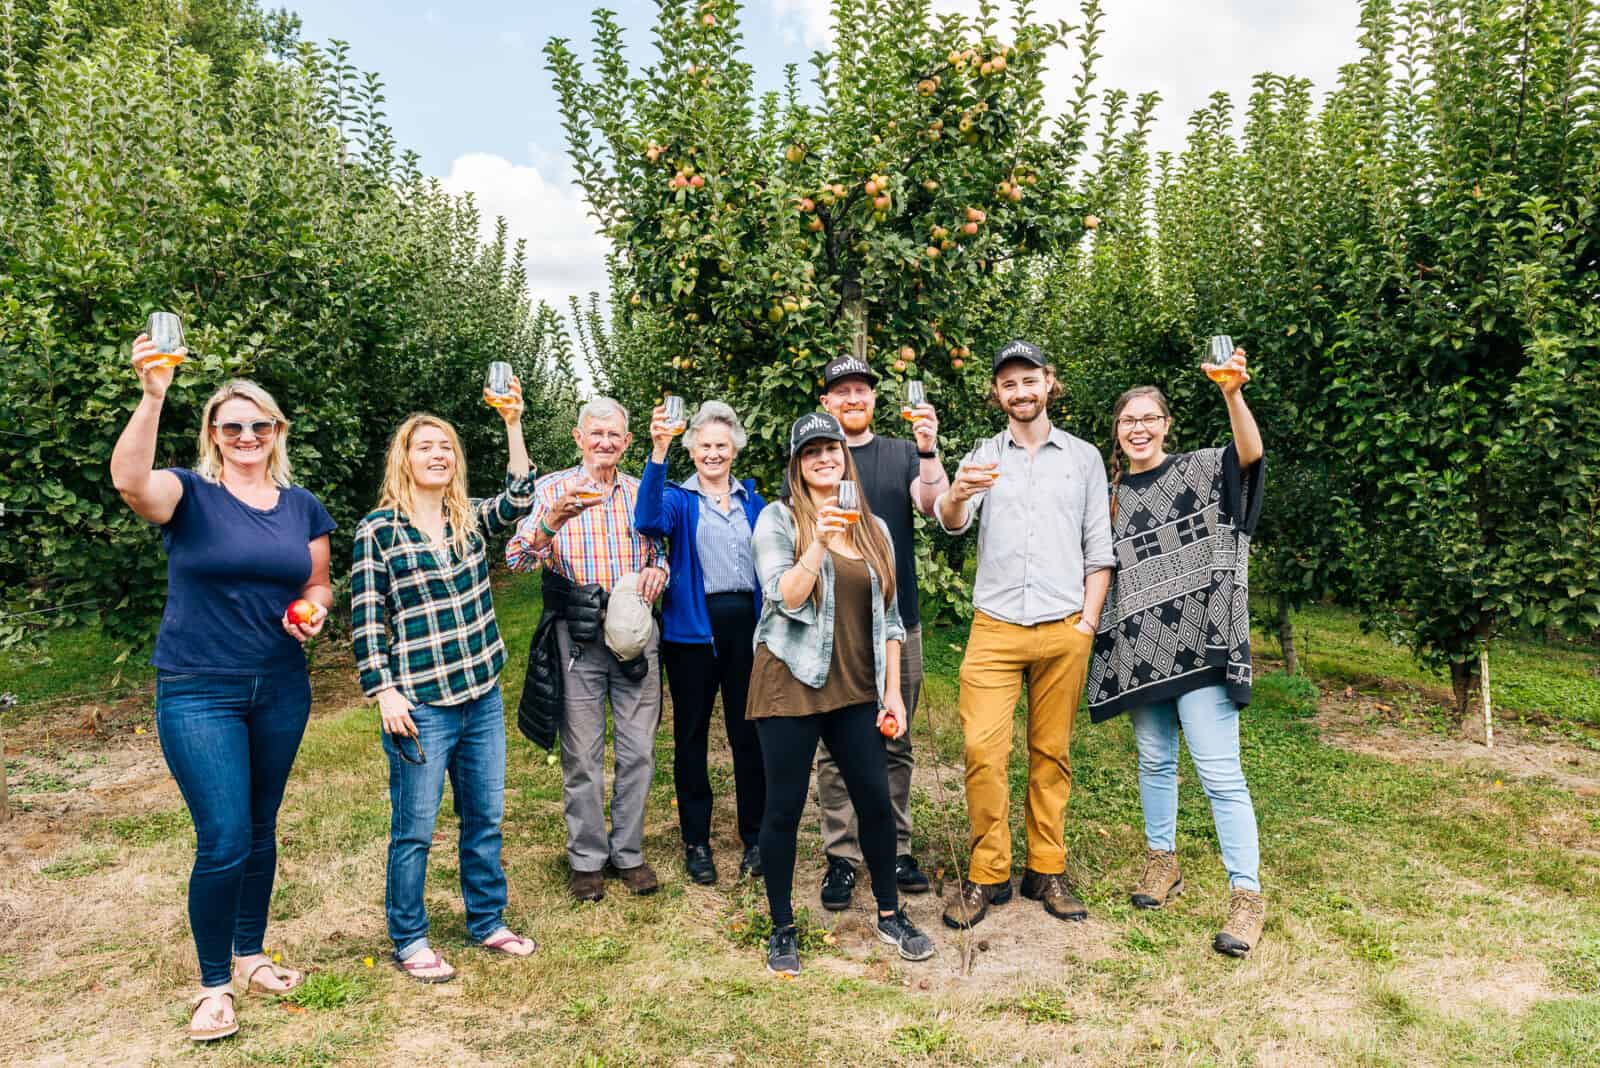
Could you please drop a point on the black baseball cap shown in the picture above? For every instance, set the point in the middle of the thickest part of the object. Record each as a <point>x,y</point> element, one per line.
<point>844,367</point>
<point>810,428</point>
<point>1017,350</point>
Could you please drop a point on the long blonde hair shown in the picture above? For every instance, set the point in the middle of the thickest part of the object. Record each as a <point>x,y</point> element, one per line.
<point>399,491</point>
<point>865,534</point>
<point>208,462</point>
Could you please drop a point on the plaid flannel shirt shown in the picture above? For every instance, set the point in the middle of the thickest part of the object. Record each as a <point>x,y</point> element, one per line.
<point>426,626</point>
<point>598,545</point>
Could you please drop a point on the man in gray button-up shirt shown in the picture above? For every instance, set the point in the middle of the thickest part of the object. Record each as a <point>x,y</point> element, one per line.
<point>1044,565</point>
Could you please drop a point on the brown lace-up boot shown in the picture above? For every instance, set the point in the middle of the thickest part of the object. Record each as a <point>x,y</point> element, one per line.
<point>1161,881</point>
<point>972,901</point>
<point>1247,915</point>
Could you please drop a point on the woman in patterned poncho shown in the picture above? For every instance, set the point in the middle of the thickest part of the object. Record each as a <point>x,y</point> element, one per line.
<point>1174,643</point>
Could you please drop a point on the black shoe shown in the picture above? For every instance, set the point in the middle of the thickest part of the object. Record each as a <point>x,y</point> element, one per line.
<point>751,864</point>
<point>900,932</point>
<point>908,877</point>
<point>697,861</point>
<point>783,951</point>
<point>838,884</point>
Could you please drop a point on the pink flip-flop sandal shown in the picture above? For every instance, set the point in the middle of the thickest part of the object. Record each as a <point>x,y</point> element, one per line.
<point>501,942</point>
<point>415,965</point>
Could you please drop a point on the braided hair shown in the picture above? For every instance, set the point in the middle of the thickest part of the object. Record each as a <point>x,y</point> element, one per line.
<point>1116,448</point>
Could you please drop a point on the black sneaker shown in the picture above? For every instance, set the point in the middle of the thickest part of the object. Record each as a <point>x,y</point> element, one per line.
<point>751,864</point>
<point>838,884</point>
<point>783,951</point>
<point>900,932</point>
<point>908,877</point>
<point>697,862</point>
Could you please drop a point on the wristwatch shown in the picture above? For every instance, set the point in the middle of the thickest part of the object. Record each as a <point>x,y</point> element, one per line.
<point>934,455</point>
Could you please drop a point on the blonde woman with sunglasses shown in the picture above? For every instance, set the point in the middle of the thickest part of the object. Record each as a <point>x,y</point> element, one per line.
<point>243,543</point>
<point>430,652</point>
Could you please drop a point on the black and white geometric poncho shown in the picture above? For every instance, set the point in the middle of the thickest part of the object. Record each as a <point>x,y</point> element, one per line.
<point>1178,615</point>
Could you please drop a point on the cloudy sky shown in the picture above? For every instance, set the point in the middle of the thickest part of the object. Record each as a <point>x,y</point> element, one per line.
<point>467,88</point>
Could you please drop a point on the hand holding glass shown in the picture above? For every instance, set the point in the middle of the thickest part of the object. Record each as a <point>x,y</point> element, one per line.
<point>673,413</point>
<point>849,502</point>
<point>1221,351</point>
<point>166,334</point>
<point>916,396</point>
<point>497,385</point>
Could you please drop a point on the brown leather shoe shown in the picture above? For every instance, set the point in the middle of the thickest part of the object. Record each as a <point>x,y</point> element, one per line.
<point>640,880</point>
<point>1247,915</point>
<point>1161,881</point>
<point>586,885</point>
<point>972,902</point>
<point>1059,900</point>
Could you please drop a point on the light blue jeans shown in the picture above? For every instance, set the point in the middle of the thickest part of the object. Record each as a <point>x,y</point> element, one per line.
<point>469,742</point>
<point>1210,722</point>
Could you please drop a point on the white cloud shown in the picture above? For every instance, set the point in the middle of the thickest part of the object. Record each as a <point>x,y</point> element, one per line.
<point>814,19</point>
<point>565,255</point>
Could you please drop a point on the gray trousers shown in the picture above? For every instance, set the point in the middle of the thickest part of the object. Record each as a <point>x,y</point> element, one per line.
<point>635,711</point>
<point>839,835</point>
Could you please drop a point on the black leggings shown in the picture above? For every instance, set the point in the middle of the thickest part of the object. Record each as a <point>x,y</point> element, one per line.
<point>788,746</point>
<point>694,674</point>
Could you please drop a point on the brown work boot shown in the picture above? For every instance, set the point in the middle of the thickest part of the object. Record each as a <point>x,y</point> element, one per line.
<point>1059,900</point>
<point>586,885</point>
<point>1247,915</point>
<point>1161,881</point>
<point>640,879</point>
<point>972,902</point>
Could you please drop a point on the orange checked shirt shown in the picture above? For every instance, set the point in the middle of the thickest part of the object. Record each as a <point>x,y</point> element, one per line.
<point>598,545</point>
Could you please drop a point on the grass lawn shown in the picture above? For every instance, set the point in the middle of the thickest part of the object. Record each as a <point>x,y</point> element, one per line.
<point>1421,912</point>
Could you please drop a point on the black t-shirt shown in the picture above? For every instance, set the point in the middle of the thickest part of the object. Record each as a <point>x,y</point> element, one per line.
<point>887,467</point>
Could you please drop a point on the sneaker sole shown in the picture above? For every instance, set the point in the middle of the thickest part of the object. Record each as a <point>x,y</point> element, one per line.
<point>914,888</point>
<point>895,942</point>
<point>1145,901</point>
<point>1230,948</point>
<point>784,971</point>
<point>836,906</point>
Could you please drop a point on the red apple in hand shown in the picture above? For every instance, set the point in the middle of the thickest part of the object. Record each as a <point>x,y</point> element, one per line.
<point>889,726</point>
<point>302,612</point>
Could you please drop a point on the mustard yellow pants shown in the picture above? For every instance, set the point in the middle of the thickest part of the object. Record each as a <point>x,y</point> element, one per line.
<point>1054,657</point>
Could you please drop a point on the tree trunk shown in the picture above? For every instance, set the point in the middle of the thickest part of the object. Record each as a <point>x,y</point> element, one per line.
<point>855,311</point>
<point>1461,685</point>
<point>1291,659</point>
<point>5,799</point>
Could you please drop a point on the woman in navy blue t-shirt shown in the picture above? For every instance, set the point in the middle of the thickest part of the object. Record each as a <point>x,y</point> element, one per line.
<point>232,695</point>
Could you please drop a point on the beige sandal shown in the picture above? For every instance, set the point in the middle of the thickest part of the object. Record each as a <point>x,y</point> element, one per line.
<point>216,1025</point>
<point>252,985</point>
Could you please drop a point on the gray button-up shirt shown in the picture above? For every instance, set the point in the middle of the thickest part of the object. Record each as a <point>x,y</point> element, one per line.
<point>722,541</point>
<point>1045,525</point>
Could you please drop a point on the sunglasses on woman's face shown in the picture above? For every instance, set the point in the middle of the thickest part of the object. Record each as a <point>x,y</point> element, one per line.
<point>261,428</point>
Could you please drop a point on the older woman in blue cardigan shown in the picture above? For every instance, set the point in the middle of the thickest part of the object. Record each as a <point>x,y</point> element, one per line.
<point>708,622</point>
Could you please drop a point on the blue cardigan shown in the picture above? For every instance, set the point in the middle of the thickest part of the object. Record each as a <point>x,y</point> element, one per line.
<point>667,510</point>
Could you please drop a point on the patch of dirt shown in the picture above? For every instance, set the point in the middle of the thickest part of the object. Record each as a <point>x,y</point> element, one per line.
<point>1366,723</point>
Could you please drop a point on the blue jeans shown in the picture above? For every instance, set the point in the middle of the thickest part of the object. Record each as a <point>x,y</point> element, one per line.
<point>469,741</point>
<point>230,741</point>
<point>1210,722</point>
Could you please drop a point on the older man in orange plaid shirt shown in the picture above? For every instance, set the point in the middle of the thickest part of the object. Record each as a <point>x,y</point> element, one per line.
<point>581,526</point>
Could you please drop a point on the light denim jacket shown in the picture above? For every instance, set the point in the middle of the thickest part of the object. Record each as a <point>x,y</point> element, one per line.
<point>797,636</point>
